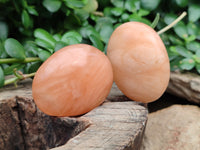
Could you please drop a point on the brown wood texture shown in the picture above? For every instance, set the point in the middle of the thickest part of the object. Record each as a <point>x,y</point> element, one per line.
<point>117,124</point>
<point>185,85</point>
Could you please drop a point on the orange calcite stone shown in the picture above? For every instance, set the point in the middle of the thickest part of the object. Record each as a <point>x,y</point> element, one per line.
<point>72,81</point>
<point>140,61</point>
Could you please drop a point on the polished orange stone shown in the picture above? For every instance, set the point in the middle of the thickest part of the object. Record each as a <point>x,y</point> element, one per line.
<point>140,61</point>
<point>73,81</point>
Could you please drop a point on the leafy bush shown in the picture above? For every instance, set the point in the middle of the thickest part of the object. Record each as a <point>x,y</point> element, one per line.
<point>182,42</point>
<point>31,30</point>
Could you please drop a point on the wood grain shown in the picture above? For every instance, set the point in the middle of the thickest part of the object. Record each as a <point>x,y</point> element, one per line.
<point>117,124</point>
<point>185,85</point>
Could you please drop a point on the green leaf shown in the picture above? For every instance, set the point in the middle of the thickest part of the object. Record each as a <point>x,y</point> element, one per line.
<point>169,18</point>
<point>1,48</point>
<point>143,12</point>
<point>24,3</point>
<point>101,21</point>
<point>197,53</point>
<point>26,20</point>
<point>59,45</point>
<point>175,40</point>
<point>4,1</point>
<point>107,12</point>
<point>9,70</point>
<point>81,14</point>
<point>44,35</point>
<point>165,39</point>
<point>135,17</point>
<point>174,64</point>
<point>108,15</point>
<point>182,3</point>
<point>117,25</point>
<point>96,42</point>
<point>57,37</point>
<point>91,6</point>
<point>187,64</point>
<point>72,22</point>
<point>75,3</point>
<point>52,5</point>
<point>132,6</point>
<point>193,46</point>
<point>105,27</point>
<point>197,66</point>
<point>2,77</point>
<point>125,17</point>
<point>26,32</point>
<point>33,67</point>
<point>14,49</point>
<point>173,49</point>
<point>44,44</point>
<point>118,3</point>
<point>172,53</point>
<point>3,30</point>
<point>3,53</point>
<point>31,48</point>
<point>70,41</point>
<point>103,4</point>
<point>198,35</point>
<point>32,10</point>
<point>172,56</point>
<point>87,31</point>
<point>183,51</point>
<point>71,37</point>
<point>150,4</point>
<point>93,17</point>
<point>116,11</point>
<point>192,28</point>
<point>181,30</point>
<point>43,55</point>
<point>190,38</point>
<point>193,12</point>
<point>196,57</point>
<point>106,32</point>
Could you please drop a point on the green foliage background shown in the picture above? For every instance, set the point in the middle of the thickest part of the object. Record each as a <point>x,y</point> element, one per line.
<point>32,30</point>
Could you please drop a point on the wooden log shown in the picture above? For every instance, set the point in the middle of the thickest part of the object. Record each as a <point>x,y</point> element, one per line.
<point>10,128</point>
<point>185,85</point>
<point>117,124</point>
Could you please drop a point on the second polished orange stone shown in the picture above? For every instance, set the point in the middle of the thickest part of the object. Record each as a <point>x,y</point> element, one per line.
<point>140,61</point>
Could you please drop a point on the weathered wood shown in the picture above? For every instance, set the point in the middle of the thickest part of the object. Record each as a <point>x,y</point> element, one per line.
<point>185,85</point>
<point>116,124</point>
<point>23,89</point>
<point>10,129</point>
<point>23,126</point>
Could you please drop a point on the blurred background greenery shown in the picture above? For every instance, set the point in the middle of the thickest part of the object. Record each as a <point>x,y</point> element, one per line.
<point>32,30</point>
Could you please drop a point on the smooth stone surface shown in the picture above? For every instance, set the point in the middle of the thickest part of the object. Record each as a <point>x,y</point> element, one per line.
<point>139,60</point>
<point>72,81</point>
<point>174,128</point>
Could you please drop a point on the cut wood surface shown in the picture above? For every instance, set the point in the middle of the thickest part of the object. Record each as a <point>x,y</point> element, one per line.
<point>117,124</point>
<point>185,85</point>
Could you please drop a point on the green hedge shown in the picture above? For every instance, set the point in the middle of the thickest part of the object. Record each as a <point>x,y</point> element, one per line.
<point>32,30</point>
